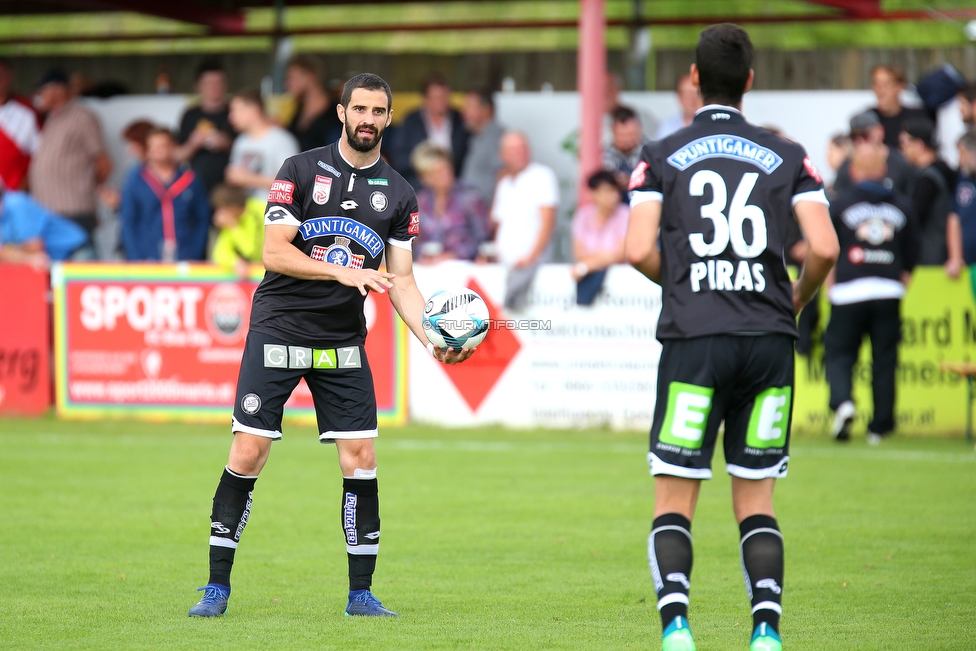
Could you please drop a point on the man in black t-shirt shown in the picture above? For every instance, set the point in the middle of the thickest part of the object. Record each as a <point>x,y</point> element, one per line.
<point>879,247</point>
<point>333,214</point>
<point>932,195</point>
<point>722,192</point>
<point>205,134</point>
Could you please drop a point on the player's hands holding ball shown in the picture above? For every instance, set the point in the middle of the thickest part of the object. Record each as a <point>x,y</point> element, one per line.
<point>455,322</point>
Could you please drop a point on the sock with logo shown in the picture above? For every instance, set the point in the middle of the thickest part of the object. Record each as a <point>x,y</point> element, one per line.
<point>762,567</point>
<point>670,555</point>
<point>231,508</point>
<point>361,526</point>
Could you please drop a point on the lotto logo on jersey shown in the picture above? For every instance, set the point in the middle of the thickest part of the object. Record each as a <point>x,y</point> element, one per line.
<point>414,227</point>
<point>281,192</point>
<point>638,176</point>
<point>321,190</point>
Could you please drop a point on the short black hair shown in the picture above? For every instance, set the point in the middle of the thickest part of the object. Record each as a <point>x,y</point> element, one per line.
<point>968,92</point>
<point>485,97</point>
<point>723,57</point>
<point>368,81</point>
<point>621,114</point>
<point>434,79</point>
<point>250,96</point>
<point>921,128</point>
<point>601,177</point>
<point>209,65</point>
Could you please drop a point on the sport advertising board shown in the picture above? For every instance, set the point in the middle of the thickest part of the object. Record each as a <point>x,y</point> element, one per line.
<point>165,341</point>
<point>25,341</point>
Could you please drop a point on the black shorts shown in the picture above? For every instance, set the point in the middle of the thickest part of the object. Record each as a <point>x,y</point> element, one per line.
<point>339,379</point>
<point>747,381</point>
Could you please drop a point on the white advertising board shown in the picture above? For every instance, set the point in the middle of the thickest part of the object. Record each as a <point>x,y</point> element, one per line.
<point>553,364</point>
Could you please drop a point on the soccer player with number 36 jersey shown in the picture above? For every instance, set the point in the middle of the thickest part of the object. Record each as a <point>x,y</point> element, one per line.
<point>334,214</point>
<point>710,210</point>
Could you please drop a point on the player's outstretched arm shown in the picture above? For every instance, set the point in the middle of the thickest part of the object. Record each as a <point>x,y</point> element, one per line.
<point>640,246</point>
<point>409,302</point>
<point>814,220</point>
<point>281,256</point>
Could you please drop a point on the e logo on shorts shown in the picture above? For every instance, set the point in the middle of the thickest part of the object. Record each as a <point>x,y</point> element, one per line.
<point>687,415</point>
<point>770,418</point>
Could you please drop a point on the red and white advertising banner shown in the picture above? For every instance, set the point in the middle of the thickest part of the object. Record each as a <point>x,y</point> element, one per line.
<point>165,341</point>
<point>552,364</point>
<point>25,341</point>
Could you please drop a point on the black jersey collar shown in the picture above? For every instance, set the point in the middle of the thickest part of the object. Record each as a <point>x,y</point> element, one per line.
<point>705,113</point>
<point>359,170</point>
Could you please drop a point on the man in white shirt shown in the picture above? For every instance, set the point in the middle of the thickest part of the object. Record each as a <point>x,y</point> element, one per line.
<point>261,147</point>
<point>690,102</point>
<point>525,213</point>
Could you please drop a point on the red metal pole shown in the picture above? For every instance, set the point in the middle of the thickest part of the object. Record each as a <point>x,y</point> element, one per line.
<point>591,82</point>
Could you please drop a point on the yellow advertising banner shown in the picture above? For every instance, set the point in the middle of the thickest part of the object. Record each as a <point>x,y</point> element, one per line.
<point>938,325</point>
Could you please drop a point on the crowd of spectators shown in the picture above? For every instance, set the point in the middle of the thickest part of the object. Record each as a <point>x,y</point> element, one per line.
<point>197,193</point>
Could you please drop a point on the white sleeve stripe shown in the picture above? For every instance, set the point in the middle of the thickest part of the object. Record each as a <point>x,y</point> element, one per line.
<point>638,197</point>
<point>817,196</point>
<point>402,244</point>
<point>282,217</point>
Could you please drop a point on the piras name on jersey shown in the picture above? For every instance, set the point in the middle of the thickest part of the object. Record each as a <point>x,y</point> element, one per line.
<point>726,232</point>
<point>727,190</point>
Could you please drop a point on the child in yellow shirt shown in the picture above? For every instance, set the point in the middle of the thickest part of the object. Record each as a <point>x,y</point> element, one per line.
<point>241,222</point>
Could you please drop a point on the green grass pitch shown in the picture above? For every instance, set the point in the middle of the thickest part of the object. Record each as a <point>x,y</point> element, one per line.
<point>492,539</point>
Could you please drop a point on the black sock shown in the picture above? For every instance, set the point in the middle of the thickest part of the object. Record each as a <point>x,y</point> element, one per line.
<point>670,555</point>
<point>361,525</point>
<point>762,566</point>
<point>231,508</point>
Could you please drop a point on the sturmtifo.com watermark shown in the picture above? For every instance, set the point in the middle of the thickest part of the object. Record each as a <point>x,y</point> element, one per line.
<point>452,325</point>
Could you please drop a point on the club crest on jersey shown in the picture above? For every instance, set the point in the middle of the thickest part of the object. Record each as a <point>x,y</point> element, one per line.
<point>378,201</point>
<point>322,190</point>
<point>725,146</point>
<point>344,226</point>
<point>339,253</point>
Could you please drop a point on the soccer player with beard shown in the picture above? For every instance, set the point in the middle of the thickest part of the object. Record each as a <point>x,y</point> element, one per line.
<point>333,214</point>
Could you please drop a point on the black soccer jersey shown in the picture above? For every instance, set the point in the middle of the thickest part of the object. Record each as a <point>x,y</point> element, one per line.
<point>727,189</point>
<point>878,233</point>
<point>345,216</point>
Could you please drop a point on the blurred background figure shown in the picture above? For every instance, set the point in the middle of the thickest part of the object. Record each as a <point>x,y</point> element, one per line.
<point>71,160</point>
<point>31,234</point>
<point>599,229</point>
<point>240,220</point>
<point>453,214</point>
<point>689,100</point>
<point>967,105</point>
<point>19,131</point>
<point>524,211</point>
<point>261,147</point>
<point>316,122</point>
<point>205,134</point>
<point>839,149</point>
<point>866,128</point>
<point>435,121</point>
<point>626,141</point>
<point>961,223</point>
<point>879,249</point>
<point>134,135</point>
<point>932,195</point>
<point>164,215</point>
<point>481,163</point>
<point>888,82</point>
